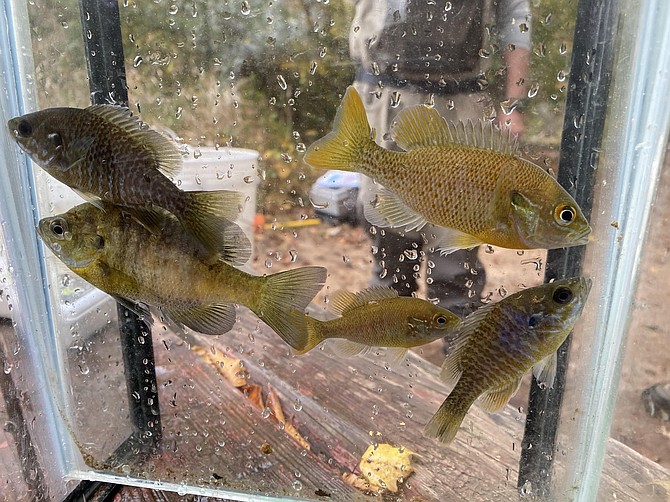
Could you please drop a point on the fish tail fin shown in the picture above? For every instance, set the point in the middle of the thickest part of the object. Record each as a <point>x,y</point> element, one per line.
<point>307,332</point>
<point>341,148</point>
<point>208,216</point>
<point>445,423</point>
<point>284,299</point>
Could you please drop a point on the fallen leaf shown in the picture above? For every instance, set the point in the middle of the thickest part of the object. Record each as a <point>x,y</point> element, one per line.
<point>359,483</point>
<point>254,393</point>
<point>274,404</point>
<point>384,465</point>
<point>230,368</point>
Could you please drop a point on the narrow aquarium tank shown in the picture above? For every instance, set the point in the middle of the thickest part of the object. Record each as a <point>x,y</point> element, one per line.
<point>334,250</point>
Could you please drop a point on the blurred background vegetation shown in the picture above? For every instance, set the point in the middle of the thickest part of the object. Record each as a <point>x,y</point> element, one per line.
<point>264,75</point>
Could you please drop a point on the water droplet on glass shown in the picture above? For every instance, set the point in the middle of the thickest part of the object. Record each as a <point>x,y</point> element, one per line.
<point>297,405</point>
<point>323,51</point>
<point>245,9</point>
<point>173,9</point>
<point>83,368</point>
<point>178,113</point>
<point>395,99</point>
<point>312,67</point>
<point>560,76</point>
<point>64,24</point>
<point>523,27</point>
<point>300,147</point>
<point>297,485</point>
<point>137,61</point>
<point>266,412</point>
<point>293,254</point>
<point>534,88</point>
<point>563,48</point>
<point>282,82</point>
<point>248,179</point>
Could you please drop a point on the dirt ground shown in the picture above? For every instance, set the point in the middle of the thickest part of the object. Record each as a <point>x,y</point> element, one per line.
<point>345,251</point>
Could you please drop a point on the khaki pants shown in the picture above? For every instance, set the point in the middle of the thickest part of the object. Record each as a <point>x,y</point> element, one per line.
<point>402,261</point>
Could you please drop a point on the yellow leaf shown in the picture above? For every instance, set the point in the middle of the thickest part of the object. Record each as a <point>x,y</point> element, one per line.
<point>384,465</point>
<point>230,368</point>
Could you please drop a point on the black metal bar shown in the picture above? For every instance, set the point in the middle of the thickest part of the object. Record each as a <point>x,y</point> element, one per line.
<point>104,57</point>
<point>588,92</point>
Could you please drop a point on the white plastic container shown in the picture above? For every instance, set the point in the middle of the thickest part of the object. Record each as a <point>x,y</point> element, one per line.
<point>224,168</point>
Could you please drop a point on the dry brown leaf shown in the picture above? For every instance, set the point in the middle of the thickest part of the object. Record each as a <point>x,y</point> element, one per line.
<point>254,393</point>
<point>274,404</point>
<point>230,368</point>
<point>384,465</point>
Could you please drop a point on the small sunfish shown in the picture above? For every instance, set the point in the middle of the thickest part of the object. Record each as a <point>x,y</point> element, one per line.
<point>139,268</point>
<point>377,317</point>
<point>105,153</point>
<point>498,343</point>
<point>467,180</point>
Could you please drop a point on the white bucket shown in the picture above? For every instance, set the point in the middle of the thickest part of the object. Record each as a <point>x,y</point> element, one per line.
<point>224,169</point>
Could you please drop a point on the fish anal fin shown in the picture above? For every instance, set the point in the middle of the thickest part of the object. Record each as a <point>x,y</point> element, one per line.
<point>495,399</point>
<point>387,210</point>
<point>206,319</point>
<point>545,371</point>
<point>343,301</point>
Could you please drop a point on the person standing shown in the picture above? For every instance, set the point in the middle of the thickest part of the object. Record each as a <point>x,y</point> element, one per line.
<point>417,51</point>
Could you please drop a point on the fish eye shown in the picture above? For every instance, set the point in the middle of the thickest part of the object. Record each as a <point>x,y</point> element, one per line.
<point>440,320</point>
<point>58,227</point>
<point>55,138</point>
<point>562,296</point>
<point>534,320</point>
<point>564,214</point>
<point>24,129</point>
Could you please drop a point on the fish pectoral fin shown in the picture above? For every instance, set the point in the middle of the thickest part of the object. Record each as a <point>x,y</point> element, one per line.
<point>545,371</point>
<point>206,319</point>
<point>343,301</point>
<point>495,399</point>
<point>395,356</point>
<point>458,341</point>
<point>90,198</point>
<point>139,308</point>
<point>387,210</point>
<point>76,151</point>
<point>163,149</point>
<point>447,240</point>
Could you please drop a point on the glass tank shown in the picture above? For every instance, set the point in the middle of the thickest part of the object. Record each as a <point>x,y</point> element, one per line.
<point>227,312</point>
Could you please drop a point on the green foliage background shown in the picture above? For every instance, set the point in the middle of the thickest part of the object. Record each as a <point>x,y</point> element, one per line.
<point>266,75</point>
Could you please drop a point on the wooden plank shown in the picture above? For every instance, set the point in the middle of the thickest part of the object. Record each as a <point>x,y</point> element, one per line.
<point>215,437</point>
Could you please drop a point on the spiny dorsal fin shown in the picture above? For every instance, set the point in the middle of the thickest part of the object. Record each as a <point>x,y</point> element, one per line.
<point>167,155</point>
<point>421,126</point>
<point>344,301</point>
<point>495,399</point>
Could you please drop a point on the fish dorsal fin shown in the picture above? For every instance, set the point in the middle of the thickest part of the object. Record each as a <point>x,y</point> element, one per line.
<point>422,126</point>
<point>205,319</point>
<point>167,155</point>
<point>456,344</point>
<point>447,240</point>
<point>495,399</point>
<point>545,371</point>
<point>387,210</point>
<point>344,301</point>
